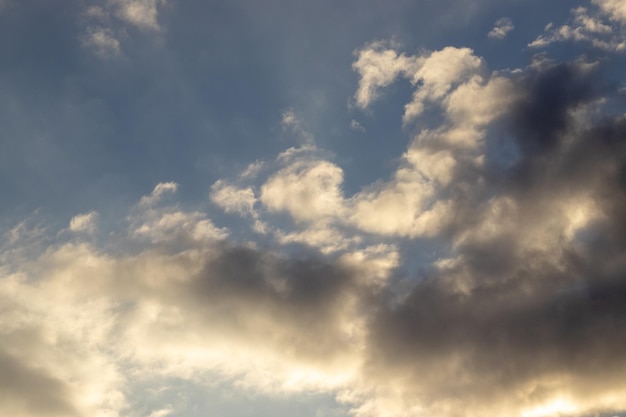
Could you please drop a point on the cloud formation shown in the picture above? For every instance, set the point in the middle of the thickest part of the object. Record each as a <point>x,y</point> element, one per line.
<point>484,276</point>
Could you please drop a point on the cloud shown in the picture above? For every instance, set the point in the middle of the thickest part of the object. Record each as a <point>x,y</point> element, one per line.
<point>616,9</point>
<point>512,320</point>
<point>233,199</point>
<point>433,74</point>
<point>589,27</point>
<point>159,191</point>
<point>355,125</point>
<point>307,185</point>
<point>508,321</point>
<point>307,190</point>
<point>379,67</point>
<point>141,13</point>
<point>501,29</point>
<point>105,23</point>
<point>32,392</point>
<point>103,41</point>
<point>515,307</point>
<point>169,224</point>
<point>84,222</point>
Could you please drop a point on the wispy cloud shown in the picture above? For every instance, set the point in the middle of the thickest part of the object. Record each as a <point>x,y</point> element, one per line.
<point>587,26</point>
<point>501,28</point>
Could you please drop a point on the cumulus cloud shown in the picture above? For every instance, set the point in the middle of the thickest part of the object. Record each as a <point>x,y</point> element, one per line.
<point>307,190</point>
<point>379,66</point>
<point>417,199</point>
<point>518,309</point>
<point>615,9</point>
<point>521,314</point>
<point>501,29</point>
<point>511,321</point>
<point>434,74</point>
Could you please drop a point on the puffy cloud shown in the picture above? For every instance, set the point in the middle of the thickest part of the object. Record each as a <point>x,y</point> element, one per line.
<point>439,72</point>
<point>616,9</point>
<point>433,74</point>
<point>379,67</point>
<point>307,190</point>
<point>401,207</point>
<point>501,29</point>
<point>477,102</point>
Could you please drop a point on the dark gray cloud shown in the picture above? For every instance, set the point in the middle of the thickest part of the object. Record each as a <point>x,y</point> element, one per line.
<point>526,311</point>
<point>302,301</point>
<point>27,390</point>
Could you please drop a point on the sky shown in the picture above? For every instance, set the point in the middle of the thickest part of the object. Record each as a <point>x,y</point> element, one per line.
<point>285,208</point>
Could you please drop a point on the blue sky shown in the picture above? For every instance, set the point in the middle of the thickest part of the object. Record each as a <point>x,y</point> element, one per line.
<point>326,209</point>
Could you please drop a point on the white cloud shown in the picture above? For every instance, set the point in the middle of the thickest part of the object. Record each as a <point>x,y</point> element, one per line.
<point>477,102</point>
<point>162,413</point>
<point>440,71</point>
<point>379,67</point>
<point>141,13</point>
<point>84,222</point>
<point>233,199</point>
<point>309,187</point>
<point>616,9</point>
<point>397,212</point>
<point>321,235</point>
<point>159,191</point>
<point>586,26</point>
<point>433,74</point>
<point>501,29</point>
<point>171,226</point>
<point>307,190</point>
